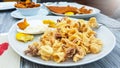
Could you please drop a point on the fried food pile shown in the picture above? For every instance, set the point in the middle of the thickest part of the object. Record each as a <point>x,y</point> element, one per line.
<point>26,4</point>
<point>71,39</point>
<point>64,9</point>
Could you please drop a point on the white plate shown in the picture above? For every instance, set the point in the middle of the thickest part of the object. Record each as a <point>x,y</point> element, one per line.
<point>7,5</point>
<point>17,14</point>
<point>103,33</point>
<point>95,10</point>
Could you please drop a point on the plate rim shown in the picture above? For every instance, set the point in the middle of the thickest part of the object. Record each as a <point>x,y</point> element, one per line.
<point>61,65</point>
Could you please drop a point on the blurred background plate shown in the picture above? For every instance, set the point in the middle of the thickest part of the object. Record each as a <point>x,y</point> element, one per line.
<point>7,5</point>
<point>94,13</point>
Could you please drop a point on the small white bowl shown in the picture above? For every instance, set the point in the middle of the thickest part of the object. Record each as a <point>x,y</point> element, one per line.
<point>29,11</point>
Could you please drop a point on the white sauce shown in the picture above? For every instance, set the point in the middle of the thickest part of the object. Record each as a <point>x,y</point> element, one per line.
<point>35,27</point>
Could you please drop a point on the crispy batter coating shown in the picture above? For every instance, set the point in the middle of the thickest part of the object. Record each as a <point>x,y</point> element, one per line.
<point>64,9</point>
<point>26,5</point>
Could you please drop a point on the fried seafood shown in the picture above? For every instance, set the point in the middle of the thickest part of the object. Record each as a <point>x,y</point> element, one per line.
<point>65,9</point>
<point>26,4</point>
<point>71,39</point>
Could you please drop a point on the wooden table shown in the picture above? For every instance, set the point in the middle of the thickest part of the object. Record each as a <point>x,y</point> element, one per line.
<point>110,61</point>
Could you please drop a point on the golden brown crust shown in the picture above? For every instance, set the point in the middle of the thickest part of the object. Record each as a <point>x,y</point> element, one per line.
<point>64,9</point>
<point>26,5</point>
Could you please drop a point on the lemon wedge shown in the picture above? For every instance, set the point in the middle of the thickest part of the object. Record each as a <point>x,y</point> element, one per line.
<point>69,13</point>
<point>50,22</point>
<point>24,37</point>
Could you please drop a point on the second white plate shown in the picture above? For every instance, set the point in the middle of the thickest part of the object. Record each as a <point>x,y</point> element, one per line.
<point>94,13</point>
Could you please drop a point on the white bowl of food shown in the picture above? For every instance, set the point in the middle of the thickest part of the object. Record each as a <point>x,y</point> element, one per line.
<point>27,8</point>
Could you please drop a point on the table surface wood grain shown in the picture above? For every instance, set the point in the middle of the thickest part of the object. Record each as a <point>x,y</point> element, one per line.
<point>112,60</point>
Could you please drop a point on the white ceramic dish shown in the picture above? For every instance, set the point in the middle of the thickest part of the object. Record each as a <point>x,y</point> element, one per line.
<point>7,5</point>
<point>103,33</point>
<point>17,14</point>
<point>29,11</point>
<point>95,10</point>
